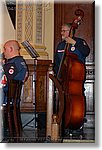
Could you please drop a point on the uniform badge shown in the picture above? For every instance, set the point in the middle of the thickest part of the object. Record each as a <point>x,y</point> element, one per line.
<point>72,48</point>
<point>11,71</point>
<point>60,50</point>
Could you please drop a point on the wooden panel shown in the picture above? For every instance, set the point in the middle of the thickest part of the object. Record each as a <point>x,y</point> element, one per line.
<point>65,13</point>
<point>27,97</point>
<point>34,94</point>
<point>89,88</point>
<point>41,88</point>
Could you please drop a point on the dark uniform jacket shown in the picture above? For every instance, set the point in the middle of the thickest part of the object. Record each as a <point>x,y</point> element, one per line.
<point>15,68</point>
<point>81,49</point>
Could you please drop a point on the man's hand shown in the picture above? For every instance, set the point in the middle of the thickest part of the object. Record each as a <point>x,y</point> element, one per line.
<point>70,41</point>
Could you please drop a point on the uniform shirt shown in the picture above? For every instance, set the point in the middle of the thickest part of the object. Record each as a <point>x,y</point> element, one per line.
<point>15,68</point>
<point>81,49</point>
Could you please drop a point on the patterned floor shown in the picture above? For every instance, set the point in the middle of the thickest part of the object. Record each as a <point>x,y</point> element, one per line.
<point>31,134</point>
<point>35,136</point>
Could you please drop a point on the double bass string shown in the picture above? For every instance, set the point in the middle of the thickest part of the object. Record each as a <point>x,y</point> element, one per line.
<point>62,60</point>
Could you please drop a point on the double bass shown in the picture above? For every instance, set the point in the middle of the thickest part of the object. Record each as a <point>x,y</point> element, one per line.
<point>71,75</point>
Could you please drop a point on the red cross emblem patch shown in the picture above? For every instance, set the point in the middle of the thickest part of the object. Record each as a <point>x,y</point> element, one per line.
<point>11,71</point>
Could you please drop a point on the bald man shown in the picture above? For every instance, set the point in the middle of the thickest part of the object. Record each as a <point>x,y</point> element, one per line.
<point>15,67</point>
<point>11,49</point>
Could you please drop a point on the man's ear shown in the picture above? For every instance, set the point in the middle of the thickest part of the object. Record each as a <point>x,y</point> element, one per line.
<point>11,49</point>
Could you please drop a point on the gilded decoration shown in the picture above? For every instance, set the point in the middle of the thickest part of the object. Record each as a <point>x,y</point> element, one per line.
<point>29,21</point>
<point>19,22</point>
<point>39,23</point>
<point>30,26</point>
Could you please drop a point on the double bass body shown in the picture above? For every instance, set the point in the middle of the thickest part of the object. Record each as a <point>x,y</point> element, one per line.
<point>73,75</point>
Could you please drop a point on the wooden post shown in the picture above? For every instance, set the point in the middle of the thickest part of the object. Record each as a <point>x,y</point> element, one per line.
<point>49,104</point>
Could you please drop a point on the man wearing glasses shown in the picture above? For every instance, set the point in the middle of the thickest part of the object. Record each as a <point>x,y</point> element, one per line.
<point>77,46</point>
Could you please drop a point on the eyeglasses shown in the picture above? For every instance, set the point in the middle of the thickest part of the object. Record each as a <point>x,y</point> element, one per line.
<point>64,30</point>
